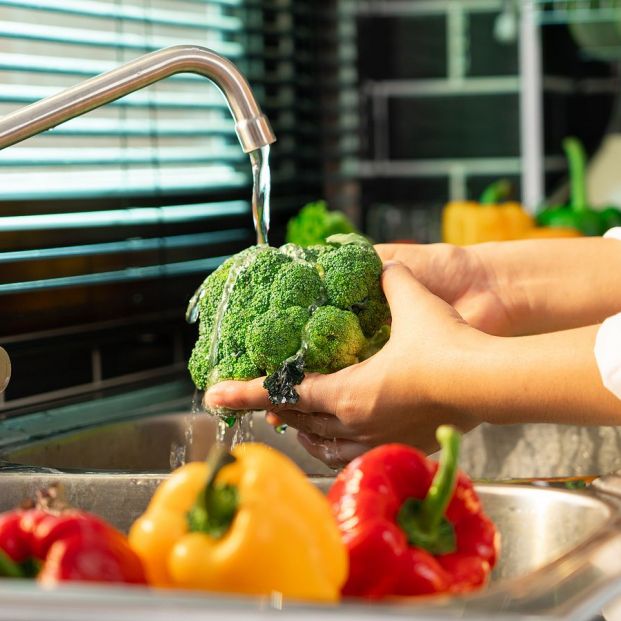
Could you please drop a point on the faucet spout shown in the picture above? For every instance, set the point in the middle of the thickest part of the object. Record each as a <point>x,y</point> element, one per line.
<point>252,127</point>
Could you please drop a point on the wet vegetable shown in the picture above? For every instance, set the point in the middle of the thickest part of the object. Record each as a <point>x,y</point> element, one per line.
<point>493,218</point>
<point>417,524</point>
<point>577,213</point>
<point>283,312</point>
<point>247,522</point>
<point>54,542</point>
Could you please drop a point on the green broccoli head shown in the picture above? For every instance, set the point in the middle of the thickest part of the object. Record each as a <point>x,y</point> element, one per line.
<point>280,312</point>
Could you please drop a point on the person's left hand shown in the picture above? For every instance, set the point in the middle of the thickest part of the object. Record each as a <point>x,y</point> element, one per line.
<point>401,394</point>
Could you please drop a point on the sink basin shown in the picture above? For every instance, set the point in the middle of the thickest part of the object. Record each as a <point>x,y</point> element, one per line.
<point>150,444</point>
<point>561,555</point>
<point>537,525</point>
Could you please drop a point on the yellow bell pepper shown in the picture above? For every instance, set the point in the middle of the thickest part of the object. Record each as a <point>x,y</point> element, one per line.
<point>467,222</point>
<point>247,522</point>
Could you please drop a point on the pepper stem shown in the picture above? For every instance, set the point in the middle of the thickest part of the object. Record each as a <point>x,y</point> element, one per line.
<point>496,192</point>
<point>216,505</point>
<point>577,165</point>
<point>423,521</point>
<point>443,484</point>
<point>8,567</point>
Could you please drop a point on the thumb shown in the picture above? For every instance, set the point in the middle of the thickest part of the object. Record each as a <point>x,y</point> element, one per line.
<point>409,300</point>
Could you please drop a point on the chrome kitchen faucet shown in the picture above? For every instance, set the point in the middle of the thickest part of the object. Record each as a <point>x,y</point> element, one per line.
<point>252,127</point>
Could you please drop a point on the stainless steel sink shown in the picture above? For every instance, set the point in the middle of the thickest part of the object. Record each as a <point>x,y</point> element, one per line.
<point>151,444</point>
<point>536,525</point>
<point>561,556</point>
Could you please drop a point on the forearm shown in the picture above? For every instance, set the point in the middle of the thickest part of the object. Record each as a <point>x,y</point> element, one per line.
<point>556,284</point>
<point>546,378</point>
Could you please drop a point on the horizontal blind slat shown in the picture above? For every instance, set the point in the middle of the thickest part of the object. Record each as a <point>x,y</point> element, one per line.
<point>166,270</point>
<point>117,156</point>
<point>118,183</point>
<point>126,246</point>
<point>109,39</point>
<point>129,13</point>
<point>134,216</point>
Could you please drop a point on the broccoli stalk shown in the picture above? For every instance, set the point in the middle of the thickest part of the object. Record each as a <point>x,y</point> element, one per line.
<point>282,312</point>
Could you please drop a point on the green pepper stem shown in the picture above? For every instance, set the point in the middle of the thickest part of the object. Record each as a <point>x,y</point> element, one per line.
<point>496,192</point>
<point>577,177</point>
<point>441,490</point>
<point>216,505</point>
<point>8,567</point>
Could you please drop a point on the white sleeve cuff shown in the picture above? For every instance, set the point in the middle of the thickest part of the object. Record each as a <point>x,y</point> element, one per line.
<point>614,233</point>
<point>608,353</point>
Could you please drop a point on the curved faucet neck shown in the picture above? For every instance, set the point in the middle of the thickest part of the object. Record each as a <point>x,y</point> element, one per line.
<point>253,128</point>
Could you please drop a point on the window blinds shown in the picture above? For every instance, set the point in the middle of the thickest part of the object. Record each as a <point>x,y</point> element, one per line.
<point>174,136</point>
<point>70,199</point>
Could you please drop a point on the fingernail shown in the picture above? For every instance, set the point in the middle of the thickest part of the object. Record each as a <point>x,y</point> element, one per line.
<point>214,395</point>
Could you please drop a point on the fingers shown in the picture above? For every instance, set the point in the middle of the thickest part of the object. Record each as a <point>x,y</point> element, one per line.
<point>410,302</point>
<point>319,424</point>
<point>318,393</point>
<point>248,395</point>
<point>405,253</point>
<point>334,453</point>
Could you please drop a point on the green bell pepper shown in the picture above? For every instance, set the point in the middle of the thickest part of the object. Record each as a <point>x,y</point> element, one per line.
<point>577,213</point>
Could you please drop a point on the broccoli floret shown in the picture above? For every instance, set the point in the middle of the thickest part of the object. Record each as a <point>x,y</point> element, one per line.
<point>296,284</point>
<point>278,312</point>
<point>241,368</point>
<point>314,224</point>
<point>373,312</point>
<point>199,364</point>
<point>351,272</point>
<point>333,340</point>
<point>274,336</point>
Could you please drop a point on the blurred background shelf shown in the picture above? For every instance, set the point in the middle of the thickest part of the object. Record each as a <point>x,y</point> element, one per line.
<point>595,25</point>
<point>578,11</point>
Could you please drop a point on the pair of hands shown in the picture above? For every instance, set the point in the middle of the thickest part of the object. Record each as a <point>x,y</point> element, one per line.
<point>442,299</point>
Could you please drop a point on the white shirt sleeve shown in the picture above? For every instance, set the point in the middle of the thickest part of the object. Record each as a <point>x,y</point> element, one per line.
<point>608,343</point>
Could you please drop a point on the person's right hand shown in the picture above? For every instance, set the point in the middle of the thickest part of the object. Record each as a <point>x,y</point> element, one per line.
<point>461,277</point>
<point>514,288</point>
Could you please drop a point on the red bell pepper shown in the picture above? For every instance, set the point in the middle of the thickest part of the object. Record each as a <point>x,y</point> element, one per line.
<point>411,526</point>
<point>55,543</point>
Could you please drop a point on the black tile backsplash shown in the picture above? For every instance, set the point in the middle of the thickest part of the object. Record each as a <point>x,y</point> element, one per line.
<point>415,191</point>
<point>147,349</point>
<point>454,127</point>
<point>486,56</point>
<point>38,369</point>
<point>394,48</point>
